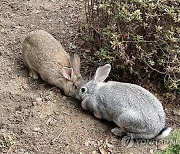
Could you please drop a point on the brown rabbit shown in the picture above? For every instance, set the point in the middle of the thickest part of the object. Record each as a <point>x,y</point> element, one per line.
<point>45,56</point>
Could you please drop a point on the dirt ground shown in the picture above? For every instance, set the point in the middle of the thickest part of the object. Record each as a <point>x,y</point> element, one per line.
<point>35,117</point>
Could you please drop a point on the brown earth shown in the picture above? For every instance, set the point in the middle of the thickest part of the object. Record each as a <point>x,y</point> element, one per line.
<point>35,117</point>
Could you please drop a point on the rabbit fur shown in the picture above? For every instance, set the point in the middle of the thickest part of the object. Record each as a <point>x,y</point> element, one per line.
<point>136,111</point>
<point>45,57</point>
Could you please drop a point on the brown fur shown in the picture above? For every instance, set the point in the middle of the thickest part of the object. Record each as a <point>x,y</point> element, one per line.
<point>45,56</point>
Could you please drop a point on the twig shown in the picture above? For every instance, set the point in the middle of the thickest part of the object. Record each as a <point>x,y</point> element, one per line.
<point>153,68</point>
<point>10,149</point>
<point>58,135</point>
<point>139,41</point>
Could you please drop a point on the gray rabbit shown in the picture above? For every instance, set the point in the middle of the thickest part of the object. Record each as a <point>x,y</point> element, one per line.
<point>135,111</point>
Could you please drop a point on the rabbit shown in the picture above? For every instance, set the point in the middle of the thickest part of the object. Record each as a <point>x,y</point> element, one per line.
<point>136,111</point>
<point>45,57</point>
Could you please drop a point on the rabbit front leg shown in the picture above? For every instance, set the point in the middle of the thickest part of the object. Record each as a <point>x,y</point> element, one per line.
<point>88,104</point>
<point>118,131</point>
<point>84,104</point>
<point>97,115</point>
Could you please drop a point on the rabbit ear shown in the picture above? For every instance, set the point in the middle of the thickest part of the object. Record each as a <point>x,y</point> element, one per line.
<point>102,73</point>
<point>75,63</point>
<point>67,72</point>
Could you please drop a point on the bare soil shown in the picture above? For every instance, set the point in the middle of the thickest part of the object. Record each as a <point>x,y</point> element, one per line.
<point>36,117</point>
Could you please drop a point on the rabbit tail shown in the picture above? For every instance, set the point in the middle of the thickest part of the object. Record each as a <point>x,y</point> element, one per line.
<point>164,133</point>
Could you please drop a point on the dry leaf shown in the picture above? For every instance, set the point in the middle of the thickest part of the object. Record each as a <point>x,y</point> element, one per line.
<point>94,152</point>
<point>86,143</point>
<point>103,150</point>
<point>176,112</point>
<point>151,151</point>
<point>162,146</point>
<point>109,145</point>
<point>98,143</point>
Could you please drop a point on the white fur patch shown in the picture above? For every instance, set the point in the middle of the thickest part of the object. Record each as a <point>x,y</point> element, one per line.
<point>165,133</point>
<point>100,84</point>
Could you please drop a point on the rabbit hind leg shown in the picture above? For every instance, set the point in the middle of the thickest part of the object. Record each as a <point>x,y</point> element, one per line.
<point>32,72</point>
<point>129,121</point>
<point>120,132</point>
<point>140,135</point>
<point>133,124</point>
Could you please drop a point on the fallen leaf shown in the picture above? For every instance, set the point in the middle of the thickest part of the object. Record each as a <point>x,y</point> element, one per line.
<point>103,150</point>
<point>109,145</point>
<point>94,152</point>
<point>151,151</point>
<point>98,143</point>
<point>162,146</point>
<point>176,112</point>
<point>86,143</point>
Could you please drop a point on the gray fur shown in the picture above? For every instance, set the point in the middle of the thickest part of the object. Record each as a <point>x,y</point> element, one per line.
<point>135,110</point>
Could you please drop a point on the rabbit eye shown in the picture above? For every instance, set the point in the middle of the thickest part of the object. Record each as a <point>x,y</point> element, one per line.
<point>83,89</point>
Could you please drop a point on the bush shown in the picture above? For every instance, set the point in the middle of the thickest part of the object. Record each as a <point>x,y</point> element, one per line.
<point>174,144</point>
<point>140,38</point>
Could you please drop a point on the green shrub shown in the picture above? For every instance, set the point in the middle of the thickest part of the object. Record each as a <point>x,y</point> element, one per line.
<point>174,148</point>
<point>140,38</point>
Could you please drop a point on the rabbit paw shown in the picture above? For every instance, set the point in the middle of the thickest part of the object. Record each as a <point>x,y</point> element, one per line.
<point>117,131</point>
<point>97,115</point>
<point>33,74</point>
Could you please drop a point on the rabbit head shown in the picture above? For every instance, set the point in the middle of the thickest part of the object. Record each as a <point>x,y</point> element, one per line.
<point>88,88</point>
<point>72,77</point>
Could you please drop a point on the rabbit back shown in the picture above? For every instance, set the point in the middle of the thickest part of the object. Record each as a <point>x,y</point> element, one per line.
<point>131,106</point>
<point>41,48</point>
<point>45,57</point>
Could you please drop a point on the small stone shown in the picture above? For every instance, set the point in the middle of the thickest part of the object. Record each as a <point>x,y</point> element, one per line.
<point>64,97</point>
<point>34,103</point>
<point>2,30</point>
<point>94,152</point>
<point>38,100</point>
<point>37,11</point>
<point>86,143</point>
<point>36,129</point>
<point>151,151</point>
<point>54,1</point>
